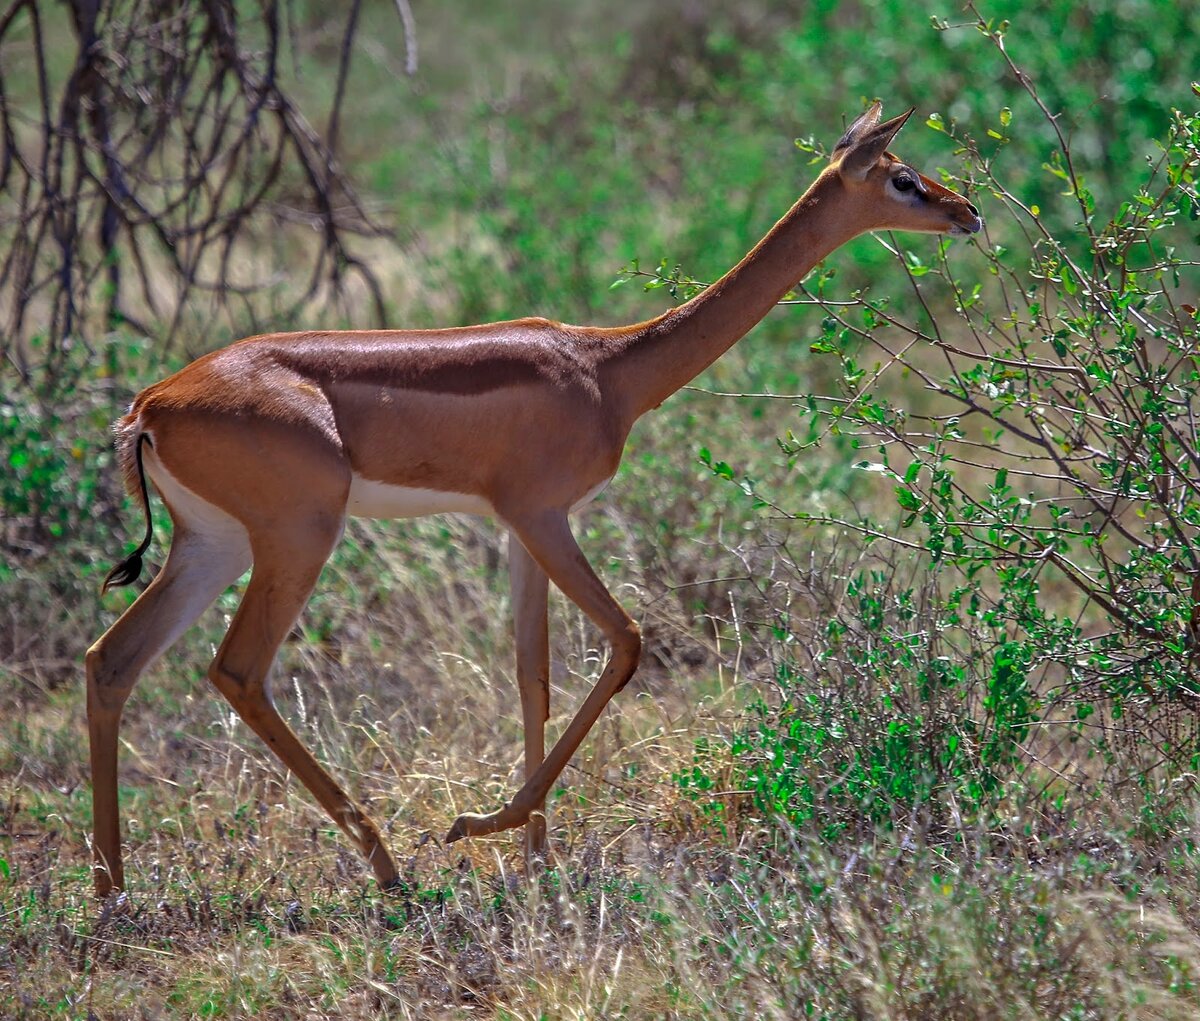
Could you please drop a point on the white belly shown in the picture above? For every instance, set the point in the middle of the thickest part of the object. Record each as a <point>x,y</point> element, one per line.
<point>380,500</point>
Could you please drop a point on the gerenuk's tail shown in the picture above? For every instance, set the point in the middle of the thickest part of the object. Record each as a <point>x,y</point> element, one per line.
<point>128,570</point>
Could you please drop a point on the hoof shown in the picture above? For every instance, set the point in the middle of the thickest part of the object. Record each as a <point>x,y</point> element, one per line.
<point>470,825</point>
<point>395,885</point>
<point>457,831</point>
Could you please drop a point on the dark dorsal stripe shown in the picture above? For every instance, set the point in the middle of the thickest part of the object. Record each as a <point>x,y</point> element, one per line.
<point>463,363</point>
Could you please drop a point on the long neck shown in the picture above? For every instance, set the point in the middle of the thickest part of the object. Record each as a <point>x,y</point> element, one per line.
<point>667,353</point>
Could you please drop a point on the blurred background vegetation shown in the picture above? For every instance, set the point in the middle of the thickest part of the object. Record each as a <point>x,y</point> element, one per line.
<point>946,776</point>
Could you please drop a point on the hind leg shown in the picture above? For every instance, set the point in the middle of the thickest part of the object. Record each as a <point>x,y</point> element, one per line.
<point>199,568</point>
<point>287,561</point>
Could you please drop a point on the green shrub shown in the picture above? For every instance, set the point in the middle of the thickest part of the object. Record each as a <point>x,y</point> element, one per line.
<point>1034,578</point>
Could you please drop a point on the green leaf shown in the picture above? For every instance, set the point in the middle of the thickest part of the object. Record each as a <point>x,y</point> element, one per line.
<point>907,498</point>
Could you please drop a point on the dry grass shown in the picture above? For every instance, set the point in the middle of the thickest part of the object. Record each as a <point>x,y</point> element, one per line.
<point>241,906</point>
<point>244,901</point>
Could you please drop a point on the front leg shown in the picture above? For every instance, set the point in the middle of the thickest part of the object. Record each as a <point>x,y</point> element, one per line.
<point>530,592</point>
<point>548,539</point>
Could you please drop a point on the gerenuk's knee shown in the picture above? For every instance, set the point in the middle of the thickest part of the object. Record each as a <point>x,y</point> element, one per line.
<point>627,645</point>
<point>108,685</point>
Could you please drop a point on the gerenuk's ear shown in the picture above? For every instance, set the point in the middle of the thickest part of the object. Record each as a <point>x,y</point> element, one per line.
<point>862,124</point>
<point>867,140</point>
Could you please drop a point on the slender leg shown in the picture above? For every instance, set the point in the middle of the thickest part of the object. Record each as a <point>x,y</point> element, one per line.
<point>283,577</point>
<point>530,590</point>
<point>548,539</point>
<point>197,570</point>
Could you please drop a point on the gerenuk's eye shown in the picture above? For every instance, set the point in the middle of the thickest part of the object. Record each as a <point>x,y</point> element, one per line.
<point>903,183</point>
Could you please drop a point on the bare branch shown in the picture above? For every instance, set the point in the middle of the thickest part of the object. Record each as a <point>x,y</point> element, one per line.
<point>149,178</point>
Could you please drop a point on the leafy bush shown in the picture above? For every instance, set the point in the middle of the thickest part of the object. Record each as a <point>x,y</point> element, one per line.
<point>60,504</point>
<point>1036,583</point>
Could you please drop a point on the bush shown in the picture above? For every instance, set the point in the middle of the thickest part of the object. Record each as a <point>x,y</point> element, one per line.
<point>1033,592</point>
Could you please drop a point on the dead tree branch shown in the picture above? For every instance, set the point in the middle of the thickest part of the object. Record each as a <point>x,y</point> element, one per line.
<point>138,188</point>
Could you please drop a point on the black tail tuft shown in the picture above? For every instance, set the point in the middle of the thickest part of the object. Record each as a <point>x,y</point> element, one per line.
<point>129,569</point>
<point>125,573</point>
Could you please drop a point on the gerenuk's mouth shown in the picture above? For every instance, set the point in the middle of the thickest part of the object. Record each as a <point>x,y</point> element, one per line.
<point>962,229</point>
